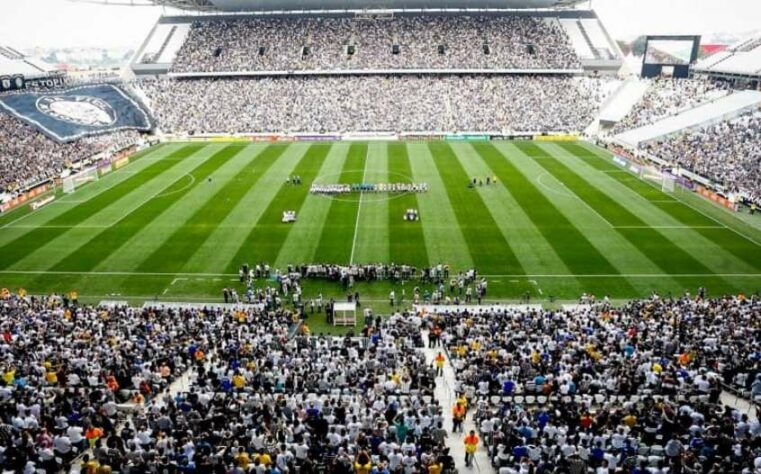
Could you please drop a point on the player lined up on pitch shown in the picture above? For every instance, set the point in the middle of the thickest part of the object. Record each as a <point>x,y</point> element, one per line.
<point>390,188</point>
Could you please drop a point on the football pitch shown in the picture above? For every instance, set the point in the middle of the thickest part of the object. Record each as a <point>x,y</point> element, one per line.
<point>561,221</point>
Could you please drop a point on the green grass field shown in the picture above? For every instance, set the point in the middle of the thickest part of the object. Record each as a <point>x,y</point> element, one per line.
<point>563,220</point>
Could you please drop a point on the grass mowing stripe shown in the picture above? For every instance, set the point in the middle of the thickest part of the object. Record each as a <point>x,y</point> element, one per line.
<point>688,239</point>
<point>663,252</point>
<point>406,239</point>
<point>214,255</point>
<point>490,251</point>
<point>437,213</point>
<point>36,238</point>
<point>178,248</point>
<point>373,242</point>
<point>729,240</point>
<point>266,238</point>
<point>649,193</point>
<point>91,253</point>
<point>573,248</point>
<point>339,233</point>
<point>304,236</point>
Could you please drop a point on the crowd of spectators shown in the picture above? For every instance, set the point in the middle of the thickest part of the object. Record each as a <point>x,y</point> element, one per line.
<point>629,389</point>
<point>89,385</point>
<point>728,153</point>
<point>28,157</point>
<point>375,103</point>
<point>666,97</point>
<point>356,43</point>
<point>635,388</point>
<point>438,273</point>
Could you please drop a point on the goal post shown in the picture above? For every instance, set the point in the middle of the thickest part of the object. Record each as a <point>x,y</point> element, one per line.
<point>664,179</point>
<point>669,183</point>
<point>71,183</point>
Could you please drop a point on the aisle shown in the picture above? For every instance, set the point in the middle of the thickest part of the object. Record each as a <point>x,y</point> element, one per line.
<point>444,393</point>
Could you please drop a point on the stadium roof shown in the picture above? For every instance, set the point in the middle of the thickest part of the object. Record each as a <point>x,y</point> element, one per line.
<point>312,5</point>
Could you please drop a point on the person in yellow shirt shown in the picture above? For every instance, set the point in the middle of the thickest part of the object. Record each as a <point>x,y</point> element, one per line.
<point>630,420</point>
<point>435,468</point>
<point>242,459</point>
<point>9,376</point>
<point>461,351</point>
<point>89,466</point>
<point>264,459</point>
<point>363,464</point>
<point>239,381</point>
<point>52,377</point>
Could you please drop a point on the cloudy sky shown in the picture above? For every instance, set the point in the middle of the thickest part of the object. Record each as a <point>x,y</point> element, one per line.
<point>48,23</point>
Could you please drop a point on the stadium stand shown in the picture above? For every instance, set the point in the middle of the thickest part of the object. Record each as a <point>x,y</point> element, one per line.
<point>375,103</point>
<point>724,108</point>
<point>728,153</point>
<point>602,389</point>
<point>593,386</point>
<point>28,157</point>
<point>666,97</point>
<point>359,44</point>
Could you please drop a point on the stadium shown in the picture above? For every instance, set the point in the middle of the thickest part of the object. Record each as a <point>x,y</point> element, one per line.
<point>382,237</point>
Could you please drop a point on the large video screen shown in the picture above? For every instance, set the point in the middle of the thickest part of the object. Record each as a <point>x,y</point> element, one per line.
<point>673,52</point>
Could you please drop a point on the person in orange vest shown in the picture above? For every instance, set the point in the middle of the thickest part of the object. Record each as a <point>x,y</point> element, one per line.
<point>439,361</point>
<point>458,416</point>
<point>93,434</point>
<point>471,444</point>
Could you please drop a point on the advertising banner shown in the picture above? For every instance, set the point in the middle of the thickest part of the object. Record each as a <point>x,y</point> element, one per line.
<point>316,138</point>
<point>718,199</point>
<point>556,138</point>
<point>24,197</point>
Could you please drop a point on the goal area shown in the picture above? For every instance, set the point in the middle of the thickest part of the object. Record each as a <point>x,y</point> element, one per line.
<point>73,182</point>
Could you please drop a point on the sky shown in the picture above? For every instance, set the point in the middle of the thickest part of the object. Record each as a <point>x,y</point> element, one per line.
<point>64,23</point>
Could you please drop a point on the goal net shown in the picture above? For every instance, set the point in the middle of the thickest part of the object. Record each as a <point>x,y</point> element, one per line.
<point>71,183</point>
<point>651,173</point>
